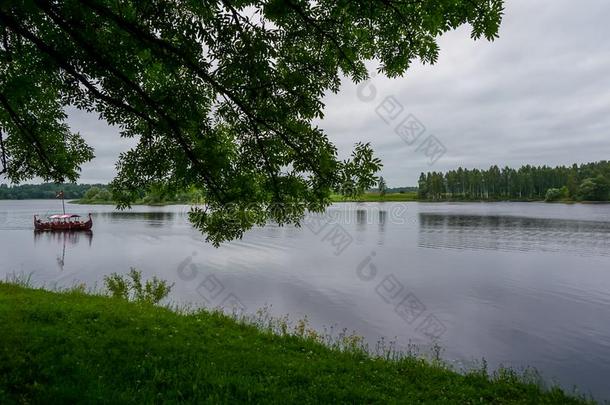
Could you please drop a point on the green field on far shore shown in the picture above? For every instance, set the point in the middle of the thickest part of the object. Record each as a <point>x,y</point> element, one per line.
<point>377,197</point>
<point>107,202</point>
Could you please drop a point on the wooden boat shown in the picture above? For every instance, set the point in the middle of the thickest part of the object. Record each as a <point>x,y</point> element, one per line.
<point>63,222</point>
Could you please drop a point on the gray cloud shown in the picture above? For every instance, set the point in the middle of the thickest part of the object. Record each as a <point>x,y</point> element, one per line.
<point>104,139</point>
<point>538,95</point>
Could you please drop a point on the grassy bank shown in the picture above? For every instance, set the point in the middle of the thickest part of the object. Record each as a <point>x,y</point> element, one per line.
<point>107,202</point>
<point>368,197</point>
<point>91,202</point>
<point>72,347</point>
<point>376,197</point>
<point>455,200</point>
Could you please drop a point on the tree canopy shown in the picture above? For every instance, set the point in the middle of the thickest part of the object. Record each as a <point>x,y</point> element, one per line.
<point>220,94</point>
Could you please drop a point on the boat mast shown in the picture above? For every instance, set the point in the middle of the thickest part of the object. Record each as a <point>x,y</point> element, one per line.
<point>63,206</point>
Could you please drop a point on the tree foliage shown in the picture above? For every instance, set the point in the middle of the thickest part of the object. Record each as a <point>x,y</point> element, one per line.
<point>92,193</point>
<point>556,194</point>
<point>220,94</point>
<point>594,189</point>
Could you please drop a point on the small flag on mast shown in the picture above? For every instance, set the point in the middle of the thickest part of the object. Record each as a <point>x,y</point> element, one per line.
<point>60,194</point>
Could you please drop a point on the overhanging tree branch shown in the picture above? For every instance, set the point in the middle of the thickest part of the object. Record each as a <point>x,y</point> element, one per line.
<point>145,36</point>
<point>3,154</point>
<point>309,21</point>
<point>107,65</point>
<point>23,127</point>
<point>64,64</point>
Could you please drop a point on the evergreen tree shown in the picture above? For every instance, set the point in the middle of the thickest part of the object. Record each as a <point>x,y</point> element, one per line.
<point>382,187</point>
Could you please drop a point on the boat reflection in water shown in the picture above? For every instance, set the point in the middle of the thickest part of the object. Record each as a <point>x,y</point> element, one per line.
<point>63,238</point>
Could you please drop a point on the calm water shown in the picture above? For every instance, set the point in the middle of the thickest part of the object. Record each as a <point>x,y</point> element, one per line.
<point>517,284</point>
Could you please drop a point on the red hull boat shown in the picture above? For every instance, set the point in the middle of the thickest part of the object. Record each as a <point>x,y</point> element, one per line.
<point>63,222</point>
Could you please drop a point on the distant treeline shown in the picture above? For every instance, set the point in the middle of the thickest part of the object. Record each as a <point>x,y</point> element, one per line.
<point>43,191</point>
<point>587,182</point>
<point>95,193</point>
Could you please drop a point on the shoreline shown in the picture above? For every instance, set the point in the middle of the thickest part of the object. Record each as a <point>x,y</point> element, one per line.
<point>335,199</point>
<point>407,198</point>
<point>88,346</point>
<point>94,202</point>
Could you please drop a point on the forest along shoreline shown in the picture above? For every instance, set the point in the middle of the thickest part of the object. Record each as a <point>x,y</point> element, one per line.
<point>587,183</point>
<point>577,183</point>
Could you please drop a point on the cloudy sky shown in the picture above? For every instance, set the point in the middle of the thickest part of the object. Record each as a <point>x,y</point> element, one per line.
<point>540,94</point>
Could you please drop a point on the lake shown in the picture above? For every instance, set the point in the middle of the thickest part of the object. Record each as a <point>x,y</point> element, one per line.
<point>518,284</point>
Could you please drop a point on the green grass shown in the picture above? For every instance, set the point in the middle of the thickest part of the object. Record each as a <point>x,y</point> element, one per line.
<point>65,347</point>
<point>83,201</point>
<point>376,197</point>
<point>91,202</point>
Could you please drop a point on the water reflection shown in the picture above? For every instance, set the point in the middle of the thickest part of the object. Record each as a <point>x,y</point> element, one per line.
<point>152,218</point>
<point>62,239</point>
<point>383,216</point>
<point>438,230</point>
<point>361,220</point>
<point>70,238</point>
